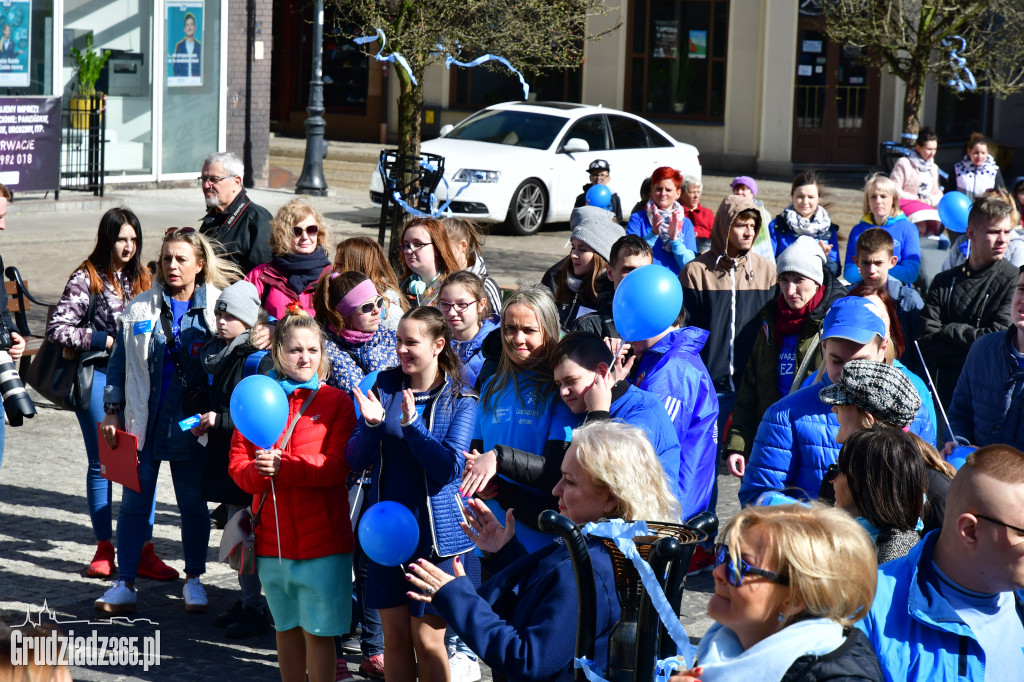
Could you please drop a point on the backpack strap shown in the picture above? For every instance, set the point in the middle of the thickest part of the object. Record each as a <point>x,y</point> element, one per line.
<point>252,363</point>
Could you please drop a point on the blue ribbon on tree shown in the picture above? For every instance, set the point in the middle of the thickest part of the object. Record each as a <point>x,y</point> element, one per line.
<point>958,64</point>
<point>449,60</point>
<point>394,57</point>
<point>442,211</point>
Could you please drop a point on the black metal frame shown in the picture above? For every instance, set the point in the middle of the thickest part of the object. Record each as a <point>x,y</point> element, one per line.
<point>412,179</point>
<point>83,149</point>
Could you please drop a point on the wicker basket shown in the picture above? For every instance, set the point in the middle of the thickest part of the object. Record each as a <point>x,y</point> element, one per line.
<point>627,580</point>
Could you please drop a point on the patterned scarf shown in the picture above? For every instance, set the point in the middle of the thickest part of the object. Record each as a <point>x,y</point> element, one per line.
<point>924,174</point>
<point>819,226</point>
<point>655,219</point>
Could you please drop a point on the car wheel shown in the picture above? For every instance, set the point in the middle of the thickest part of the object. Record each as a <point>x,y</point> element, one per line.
<point>528,208</point>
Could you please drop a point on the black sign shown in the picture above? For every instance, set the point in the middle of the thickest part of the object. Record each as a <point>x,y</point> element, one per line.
<point>30,143</point>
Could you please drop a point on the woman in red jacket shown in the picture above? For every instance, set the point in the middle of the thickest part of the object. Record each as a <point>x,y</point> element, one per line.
<point>304,539</point>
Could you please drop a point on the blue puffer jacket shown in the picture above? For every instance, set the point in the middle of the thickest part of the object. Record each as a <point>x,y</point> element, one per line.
<point>350,363</point>
<point>471,352</point>
<point>796,442</point>
<point>906,248</point>
<point>645,410</point>
<point>434,444</point>
<point>988,403</point>
<point>914,630</point>
<point>673,371</point>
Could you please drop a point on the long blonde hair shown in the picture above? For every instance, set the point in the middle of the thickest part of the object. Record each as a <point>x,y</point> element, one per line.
<point>217,270</point>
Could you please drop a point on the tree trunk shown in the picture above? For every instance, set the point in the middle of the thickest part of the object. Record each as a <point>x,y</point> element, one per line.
<point>913,104</point>
<point>410,110</point>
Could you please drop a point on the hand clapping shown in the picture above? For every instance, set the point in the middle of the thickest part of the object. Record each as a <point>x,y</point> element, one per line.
<point>369,406</point>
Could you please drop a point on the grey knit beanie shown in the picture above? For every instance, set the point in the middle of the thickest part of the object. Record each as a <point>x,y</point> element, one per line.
<point>595,227</point>
<point>240,300</point>
<point>804,257</point>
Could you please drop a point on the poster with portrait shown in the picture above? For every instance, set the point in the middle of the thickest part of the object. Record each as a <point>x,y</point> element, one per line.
<point>15,37</point>
<point>185,43</point>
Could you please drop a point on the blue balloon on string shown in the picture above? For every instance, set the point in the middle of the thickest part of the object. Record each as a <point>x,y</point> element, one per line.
<point>366,385</point>
<point>954,208</point>
<point>600,196</point>
<point>959,455</point>
<point>388,533</point>
<point>259,409</point>
<point>646,303</point>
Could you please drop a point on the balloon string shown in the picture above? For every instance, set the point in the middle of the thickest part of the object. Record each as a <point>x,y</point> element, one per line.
<point>277,521</point>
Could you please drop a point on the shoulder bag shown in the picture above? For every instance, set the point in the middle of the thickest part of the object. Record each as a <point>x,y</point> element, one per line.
<point>64,375</point>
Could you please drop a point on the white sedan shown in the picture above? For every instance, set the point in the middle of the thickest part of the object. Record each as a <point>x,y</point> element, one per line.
<point>526,162</point>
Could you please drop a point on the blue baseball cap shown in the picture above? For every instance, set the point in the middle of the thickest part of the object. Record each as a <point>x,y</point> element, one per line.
<point>854,318</point>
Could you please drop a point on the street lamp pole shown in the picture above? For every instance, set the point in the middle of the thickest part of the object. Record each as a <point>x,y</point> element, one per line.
<point>312,180</point>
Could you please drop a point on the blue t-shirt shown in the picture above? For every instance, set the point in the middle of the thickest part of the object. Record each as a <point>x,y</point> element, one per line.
<point>178,310</point>
<point>787,363</point>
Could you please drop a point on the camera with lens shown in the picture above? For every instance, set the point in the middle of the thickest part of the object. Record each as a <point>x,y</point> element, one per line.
<point>17,403</point>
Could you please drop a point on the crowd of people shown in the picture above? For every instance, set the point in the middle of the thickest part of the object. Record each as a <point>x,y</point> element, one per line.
<point>860,551</point>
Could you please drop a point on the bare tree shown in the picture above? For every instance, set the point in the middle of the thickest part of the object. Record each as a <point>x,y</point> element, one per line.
<point>906,36</point>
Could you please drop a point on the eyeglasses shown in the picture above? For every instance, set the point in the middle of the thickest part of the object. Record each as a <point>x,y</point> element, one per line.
<point>212,179</point>
<point>736,579</point>
<point>375,304</point>
<point>413,247</point>
<point>310,230</point>
<point>445,306</point>
<point>1001,523</point>
<point>179,231</point>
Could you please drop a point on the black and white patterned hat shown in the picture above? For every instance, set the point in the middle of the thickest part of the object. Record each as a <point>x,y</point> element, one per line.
<point>878,388</point>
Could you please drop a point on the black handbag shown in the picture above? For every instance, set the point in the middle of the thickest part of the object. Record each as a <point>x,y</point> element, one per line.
<point>64,375</point>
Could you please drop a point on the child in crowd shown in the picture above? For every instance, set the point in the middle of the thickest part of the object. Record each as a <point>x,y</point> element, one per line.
<point>882,209</point>
<point>467,247</point>
<point>746,186</point>
<point>806,215</point>
<point>600,174</point>
<point>467,311</point>
<point>875,259</point>
<point>304,539</point>
<point>977,171</point>
<point>227,358</point>
<point>628,253</point>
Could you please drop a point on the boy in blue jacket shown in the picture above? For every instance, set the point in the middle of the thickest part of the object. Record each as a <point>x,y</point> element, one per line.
<point>874,260</point>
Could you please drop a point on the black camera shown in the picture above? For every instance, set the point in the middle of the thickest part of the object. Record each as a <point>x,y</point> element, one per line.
<point>17,403</point>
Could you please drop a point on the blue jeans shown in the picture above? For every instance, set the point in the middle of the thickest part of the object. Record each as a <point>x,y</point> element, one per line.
<point>252,589</point>
<point>134,520</point>
<point>3,436</point>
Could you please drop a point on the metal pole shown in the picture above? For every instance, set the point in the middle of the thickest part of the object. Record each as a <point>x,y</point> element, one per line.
<point>312,179</point>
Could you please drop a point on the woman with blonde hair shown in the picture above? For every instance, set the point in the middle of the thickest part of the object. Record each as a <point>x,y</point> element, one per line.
<point>427,259</point>
<point>522,621</point>
<point>299,241</point>
<point>362,254</point>
<point>155,378</point>
<point>882,209</point>
<point>790,582</point>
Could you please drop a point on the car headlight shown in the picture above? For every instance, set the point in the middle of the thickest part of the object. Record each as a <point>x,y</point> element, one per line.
<point>474,175</point>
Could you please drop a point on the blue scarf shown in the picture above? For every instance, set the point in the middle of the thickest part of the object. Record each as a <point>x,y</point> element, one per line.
<point>290,386</point>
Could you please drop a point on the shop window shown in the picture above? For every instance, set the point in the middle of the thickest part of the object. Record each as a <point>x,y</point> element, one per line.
<point>962,114</point>
<point>346,71</point>
<point>677,51</point>
<point>482,86</point>
<point>26,60</point>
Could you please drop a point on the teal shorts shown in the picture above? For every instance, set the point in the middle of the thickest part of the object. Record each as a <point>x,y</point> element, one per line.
<point>312,594</point>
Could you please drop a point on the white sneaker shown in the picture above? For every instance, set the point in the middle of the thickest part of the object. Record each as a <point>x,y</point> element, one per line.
<point>195,596</point>
<point>464,668</point>
<point>117,600</point>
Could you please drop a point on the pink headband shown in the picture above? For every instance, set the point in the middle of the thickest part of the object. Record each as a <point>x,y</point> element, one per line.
<point>359,295</point>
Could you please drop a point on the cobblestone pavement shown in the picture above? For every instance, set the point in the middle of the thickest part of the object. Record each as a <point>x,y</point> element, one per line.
<point>45,535</point>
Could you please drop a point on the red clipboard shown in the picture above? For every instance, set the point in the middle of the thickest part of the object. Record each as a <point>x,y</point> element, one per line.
<point>120,464</point>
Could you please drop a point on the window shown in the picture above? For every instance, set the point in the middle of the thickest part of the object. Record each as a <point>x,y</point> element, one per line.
<point>677,51</point>
<point>591,130</point>
<point>483,86</point>
<point>627,133</point>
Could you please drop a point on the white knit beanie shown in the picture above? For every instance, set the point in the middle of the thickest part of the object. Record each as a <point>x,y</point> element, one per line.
<point>804,257</point>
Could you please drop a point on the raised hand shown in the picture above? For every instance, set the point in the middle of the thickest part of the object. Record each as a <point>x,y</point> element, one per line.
<point>369,406</point>
<point>408,406</point>
<point>428,578</point>
<point>599,397</point>
<point>479,470</point>
<point>675,226</point>
<point>483,528</point>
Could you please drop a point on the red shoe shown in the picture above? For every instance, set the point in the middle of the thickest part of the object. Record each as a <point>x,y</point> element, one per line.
<point>341,673</point>
<point>150,566</point>
<point>372,667</point>
<point>103,561</point>
<point>701,562</point>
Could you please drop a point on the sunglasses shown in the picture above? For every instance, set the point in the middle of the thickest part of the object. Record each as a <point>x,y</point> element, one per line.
<point>310,230</point>
<point>735,571</point>
<point>375,304</point>
<point>179,231</point>
<point>831,473</point>
<point>445,306</point>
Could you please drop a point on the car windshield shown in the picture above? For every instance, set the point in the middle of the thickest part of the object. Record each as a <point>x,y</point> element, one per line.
<point>501,126</point>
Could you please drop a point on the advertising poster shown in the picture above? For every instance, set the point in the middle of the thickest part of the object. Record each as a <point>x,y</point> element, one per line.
<point>698,44</point>
<point>666,39</point>
<point>30,142</point>
<point>184,44</point>
<point>15,35</point>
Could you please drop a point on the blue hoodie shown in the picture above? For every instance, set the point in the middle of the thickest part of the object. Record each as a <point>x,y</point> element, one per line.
<point>673,371</point>
<point>644,410</point>
<point>906,247</point>
<point>471,352</point>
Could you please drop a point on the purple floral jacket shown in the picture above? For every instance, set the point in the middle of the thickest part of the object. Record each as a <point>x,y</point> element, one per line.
<point>64,328</point>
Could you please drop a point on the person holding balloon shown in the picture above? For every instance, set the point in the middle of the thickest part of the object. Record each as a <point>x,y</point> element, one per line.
<point>663,222</point>
<point>522,621</point>
<point>597,193</point>
<point>155,379</point>
<point>427,259</point>
<point>289,446</point>
<point>578,281</point>
<point>416,423</point>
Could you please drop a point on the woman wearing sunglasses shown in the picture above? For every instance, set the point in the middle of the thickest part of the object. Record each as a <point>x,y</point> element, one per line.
<point>299,241</point>
<point>790,581</point>
<point>349,308</point>
<point>427,258</point>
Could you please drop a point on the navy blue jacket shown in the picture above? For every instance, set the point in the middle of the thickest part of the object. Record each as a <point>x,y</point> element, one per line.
<point>522,622</point>
<point>988,402</point>
<point>436,447</point>
<point>472,352</point>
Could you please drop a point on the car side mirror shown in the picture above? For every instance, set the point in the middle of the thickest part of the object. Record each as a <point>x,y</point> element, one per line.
<point>445,129</point>
<point>575,145</point>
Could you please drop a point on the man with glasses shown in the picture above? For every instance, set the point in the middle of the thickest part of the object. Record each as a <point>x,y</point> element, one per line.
<point>952,608</point>
<point>600,174</point>
<point>241,226</point>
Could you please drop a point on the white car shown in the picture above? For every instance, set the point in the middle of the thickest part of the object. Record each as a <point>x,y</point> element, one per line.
<point>527,161</point>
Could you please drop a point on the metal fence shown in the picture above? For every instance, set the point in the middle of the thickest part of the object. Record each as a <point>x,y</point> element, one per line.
<point>83,142</point>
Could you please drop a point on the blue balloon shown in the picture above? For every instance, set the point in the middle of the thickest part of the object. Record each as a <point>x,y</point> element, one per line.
<point>959,455</point>
<point>954,207</point>
<point>647,302</point>
<point>259,409</point>
<point>388,533</point>
<point>365,385</point>
<point>600,196</point>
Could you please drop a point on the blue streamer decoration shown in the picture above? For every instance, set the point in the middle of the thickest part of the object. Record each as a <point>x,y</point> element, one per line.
<point>958,64</point>
<point>394,57</point>
<point>449,60</point>
<point>442,211</point>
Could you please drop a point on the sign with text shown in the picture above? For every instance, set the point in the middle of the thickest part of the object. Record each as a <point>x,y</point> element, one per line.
<point>30,142</point>
<point>15,41</point>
